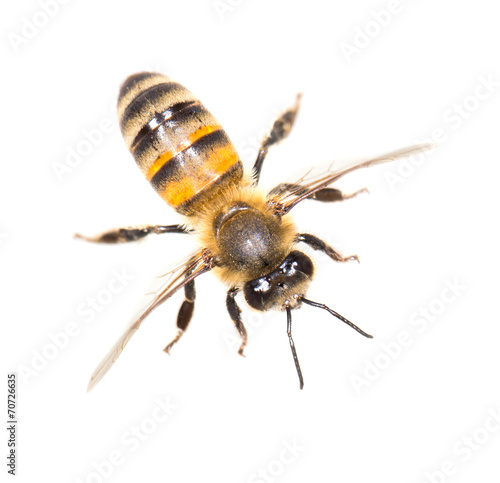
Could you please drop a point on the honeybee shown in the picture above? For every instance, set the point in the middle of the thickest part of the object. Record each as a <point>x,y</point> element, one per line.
<point>247,236</point>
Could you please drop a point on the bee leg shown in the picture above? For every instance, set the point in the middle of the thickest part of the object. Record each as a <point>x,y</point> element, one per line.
<point>280,130</point>
<point>185,312</point>
<point>318,244</point>
<point>125,235</point>
<point>326,195</point>
<point>234,313</point>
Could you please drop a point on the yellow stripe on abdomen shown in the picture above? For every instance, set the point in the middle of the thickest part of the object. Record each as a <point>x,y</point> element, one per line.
<point>178,145</point>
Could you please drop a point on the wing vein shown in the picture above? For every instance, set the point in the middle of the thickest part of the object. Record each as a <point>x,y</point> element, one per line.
<point>200,263</point>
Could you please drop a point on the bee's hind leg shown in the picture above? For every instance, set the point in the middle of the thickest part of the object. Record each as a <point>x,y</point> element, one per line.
<point>280,130</point>
<point>326,195</point>
<point>185,312</point>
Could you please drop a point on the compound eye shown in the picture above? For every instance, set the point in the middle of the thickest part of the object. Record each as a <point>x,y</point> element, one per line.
<point>299,262</point>
<point>258,292</point>
<point>274,288</point>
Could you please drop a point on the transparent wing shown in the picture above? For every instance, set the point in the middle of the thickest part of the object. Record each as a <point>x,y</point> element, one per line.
<point>168,277</point>
<point>198,264</point>
<point>284,197</point>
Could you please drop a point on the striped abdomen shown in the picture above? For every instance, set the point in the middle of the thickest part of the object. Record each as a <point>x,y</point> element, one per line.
<point>178,145</point>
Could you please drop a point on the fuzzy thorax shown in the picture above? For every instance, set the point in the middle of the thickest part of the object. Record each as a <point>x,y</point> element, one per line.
<point>247,239</point>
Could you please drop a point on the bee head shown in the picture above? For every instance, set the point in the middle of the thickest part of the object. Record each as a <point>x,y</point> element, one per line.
<point>282,287</point>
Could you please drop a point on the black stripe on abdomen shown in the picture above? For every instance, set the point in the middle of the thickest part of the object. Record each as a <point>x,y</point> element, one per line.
<point>152,96</point>
<point>159,119</point>
<point>190,159</point>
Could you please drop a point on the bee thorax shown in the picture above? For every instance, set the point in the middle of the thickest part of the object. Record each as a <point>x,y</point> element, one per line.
<point>249,240</point>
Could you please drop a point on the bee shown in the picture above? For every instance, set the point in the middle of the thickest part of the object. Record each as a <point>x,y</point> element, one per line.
<point>247,236</point>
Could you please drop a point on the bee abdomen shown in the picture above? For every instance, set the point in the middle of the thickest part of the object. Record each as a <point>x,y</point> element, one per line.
<point>179,146</point>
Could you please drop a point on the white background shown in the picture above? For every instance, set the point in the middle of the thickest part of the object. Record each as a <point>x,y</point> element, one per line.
<point>234,418</point>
